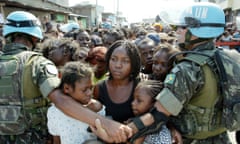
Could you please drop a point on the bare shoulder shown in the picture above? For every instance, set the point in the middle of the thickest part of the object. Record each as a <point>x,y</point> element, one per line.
<point>94,105</point>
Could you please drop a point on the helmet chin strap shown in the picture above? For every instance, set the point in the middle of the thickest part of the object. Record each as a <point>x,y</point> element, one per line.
<point>189,43</point>
<point>186,45</point>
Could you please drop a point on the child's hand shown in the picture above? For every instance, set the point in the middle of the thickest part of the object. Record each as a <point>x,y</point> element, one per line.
<point>127,121</point>
<point>176,136</point>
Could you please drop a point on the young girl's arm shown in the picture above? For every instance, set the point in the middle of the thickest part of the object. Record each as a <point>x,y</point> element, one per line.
<point>139,140</point>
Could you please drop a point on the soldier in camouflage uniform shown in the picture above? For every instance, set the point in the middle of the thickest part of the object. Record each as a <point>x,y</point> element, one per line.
<point>189,99</point>
<point>27,79</point>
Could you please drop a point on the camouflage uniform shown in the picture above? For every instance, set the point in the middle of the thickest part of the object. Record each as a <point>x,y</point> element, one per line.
<point>44,78</point>
<point>182,85</point>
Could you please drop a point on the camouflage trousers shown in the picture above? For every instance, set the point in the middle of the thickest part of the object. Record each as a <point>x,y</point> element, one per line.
<point>219,139</point>
<point>29,137</point>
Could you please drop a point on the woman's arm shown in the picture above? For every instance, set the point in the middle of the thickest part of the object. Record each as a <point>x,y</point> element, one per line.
<point>118,131</point>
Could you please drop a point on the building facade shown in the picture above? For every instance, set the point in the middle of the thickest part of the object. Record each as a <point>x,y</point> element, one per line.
<point>231,9</point>
<point>45,10</point>
<point>50,9</point>
<point>91,11</point>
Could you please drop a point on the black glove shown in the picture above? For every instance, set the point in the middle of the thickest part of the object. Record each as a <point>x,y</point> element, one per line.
<point>160,119</point>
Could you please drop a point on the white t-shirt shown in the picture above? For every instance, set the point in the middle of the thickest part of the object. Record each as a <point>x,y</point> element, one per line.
<point>226,39</point>
<point>71,131</point>
<point>162,137</point>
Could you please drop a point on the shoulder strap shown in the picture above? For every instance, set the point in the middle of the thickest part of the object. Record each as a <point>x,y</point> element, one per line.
<point>209,57</point>
<point>222,72</point>
<point>197,58</point>
<point>97,89</point>
<point>201,58</point>
<point>213,59</point>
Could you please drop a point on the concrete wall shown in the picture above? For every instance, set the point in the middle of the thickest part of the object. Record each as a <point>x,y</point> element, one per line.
<point>236,5</point>
<point>225,3</point>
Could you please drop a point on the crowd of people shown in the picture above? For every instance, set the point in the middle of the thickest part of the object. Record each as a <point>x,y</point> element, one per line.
<point>118,85</point>
<point>231,34</point>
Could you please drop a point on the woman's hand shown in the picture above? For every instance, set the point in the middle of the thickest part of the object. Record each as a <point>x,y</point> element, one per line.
<point>111,131</point>
<point>100,132</point>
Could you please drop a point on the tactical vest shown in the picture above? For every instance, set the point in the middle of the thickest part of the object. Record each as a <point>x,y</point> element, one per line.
<point>201,117</point>
<point>21,105</point>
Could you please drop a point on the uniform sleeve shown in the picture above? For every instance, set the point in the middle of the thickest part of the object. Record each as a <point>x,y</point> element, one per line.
<point>180,85</point>
<point>45,75</point>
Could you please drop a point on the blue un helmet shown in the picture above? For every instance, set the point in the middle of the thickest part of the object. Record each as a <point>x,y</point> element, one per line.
<point>203,19</point>
<point>22,22</point>
<point>69,27</point>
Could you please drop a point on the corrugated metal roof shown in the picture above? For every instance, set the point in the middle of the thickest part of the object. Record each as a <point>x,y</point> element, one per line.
<point>38,4</point>
<point>77,15</point>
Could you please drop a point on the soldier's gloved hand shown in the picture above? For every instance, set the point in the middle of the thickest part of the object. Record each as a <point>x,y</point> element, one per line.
<point>160,119</point>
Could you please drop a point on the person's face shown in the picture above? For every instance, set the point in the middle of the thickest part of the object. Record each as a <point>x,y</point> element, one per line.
<point>80,55</point>
<point>142,101</point>
<point>84,39</point>
<point>141,35</point>
<point>96,41</point>
<point>146,55</point>
<point>97,59</point>
<point>58,56</point>
<point>82,91</point>
<point>108,41</point>
<point>100,64</point>
<point>160,65</point>
<point>120,64</point>
<point>181,32</point>
<point>157,28</point>
<point>49,27</point>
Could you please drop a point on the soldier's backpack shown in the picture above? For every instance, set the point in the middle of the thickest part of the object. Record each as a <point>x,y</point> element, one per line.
<point>226,64</point>
<point>15,117</point>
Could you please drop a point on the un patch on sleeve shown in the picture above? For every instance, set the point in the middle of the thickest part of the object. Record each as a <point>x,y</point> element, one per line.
<point>170,79</point>
<point>51,69</point>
